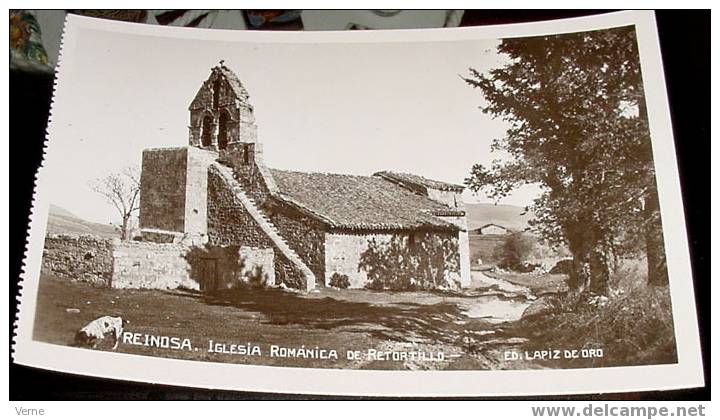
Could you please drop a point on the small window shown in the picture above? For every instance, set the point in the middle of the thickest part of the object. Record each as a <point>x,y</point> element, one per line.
<point>246,154</point>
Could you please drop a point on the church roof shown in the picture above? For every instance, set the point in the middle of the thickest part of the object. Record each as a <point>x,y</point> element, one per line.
<point>361,202</point>
<point>417,182</point>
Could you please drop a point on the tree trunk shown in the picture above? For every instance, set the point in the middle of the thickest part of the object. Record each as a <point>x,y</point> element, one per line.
<point>591,260</point>
<point>591,273</point>
<point>654,246</point>
<point>124,228</point>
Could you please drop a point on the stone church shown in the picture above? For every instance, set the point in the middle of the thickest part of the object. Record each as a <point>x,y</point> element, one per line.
<point>217,192</point>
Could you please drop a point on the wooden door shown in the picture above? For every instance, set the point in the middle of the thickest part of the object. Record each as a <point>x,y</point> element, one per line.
<point>208,274</point>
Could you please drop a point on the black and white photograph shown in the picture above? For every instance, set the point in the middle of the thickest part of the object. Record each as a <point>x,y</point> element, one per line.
<point>465,200</point>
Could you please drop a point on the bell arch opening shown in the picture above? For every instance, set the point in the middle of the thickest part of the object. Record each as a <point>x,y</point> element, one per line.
<point>223,130</point>
<point>207,126</point>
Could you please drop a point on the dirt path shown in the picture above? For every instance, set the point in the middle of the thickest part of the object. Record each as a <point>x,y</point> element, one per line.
<point>472,335</point>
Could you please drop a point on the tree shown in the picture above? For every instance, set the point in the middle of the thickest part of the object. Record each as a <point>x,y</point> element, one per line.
<point>515,249</point>
<point>122,190</point>
<point>578,129</point>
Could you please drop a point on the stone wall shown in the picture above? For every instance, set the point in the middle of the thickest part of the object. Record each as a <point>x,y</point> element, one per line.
<point>230,224</point>
<point>306,236</point>
<point>246,159</point>
<point>342,256</point>
<point>257,265</point>
<point>464,246</point>
<point>147,265</point>
<point>343,251</point>
<point>162,189</point>
<point>203,105</point>
<point>240,125</point>
<point>80,258</point>
<point>196,190</point>
<point>227,267</point>
<point>452,199</point>
<point>161,236</point>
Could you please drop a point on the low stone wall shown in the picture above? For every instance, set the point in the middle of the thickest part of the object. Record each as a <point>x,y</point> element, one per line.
<point>148,265</point>
<point>80,258</point>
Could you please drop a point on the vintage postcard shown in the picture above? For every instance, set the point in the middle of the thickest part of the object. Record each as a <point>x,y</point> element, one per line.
<point>452,212</point>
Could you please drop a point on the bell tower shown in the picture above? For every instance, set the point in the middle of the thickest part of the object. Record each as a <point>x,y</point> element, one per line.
<point>221,116</point>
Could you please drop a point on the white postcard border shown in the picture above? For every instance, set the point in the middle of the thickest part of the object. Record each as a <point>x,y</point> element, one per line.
<point>687,373</point>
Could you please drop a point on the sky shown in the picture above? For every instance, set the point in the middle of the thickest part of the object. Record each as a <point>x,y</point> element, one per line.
<point>322,107</point>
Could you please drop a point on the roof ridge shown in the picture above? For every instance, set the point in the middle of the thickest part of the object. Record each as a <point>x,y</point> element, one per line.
<point>418,180</point>
<point>321,173</point>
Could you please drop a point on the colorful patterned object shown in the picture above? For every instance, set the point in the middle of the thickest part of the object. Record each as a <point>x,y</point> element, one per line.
<point>274,19</point>
<point>26,48</point>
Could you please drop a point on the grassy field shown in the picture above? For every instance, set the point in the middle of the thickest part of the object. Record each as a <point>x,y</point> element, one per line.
<point>483,247</point>
<point>331,319</point>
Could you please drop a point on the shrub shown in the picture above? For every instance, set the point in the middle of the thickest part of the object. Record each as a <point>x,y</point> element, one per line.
<point>257,278</point>
<point>633,327</point>
<point>341,281</point>
<point>515,249</point>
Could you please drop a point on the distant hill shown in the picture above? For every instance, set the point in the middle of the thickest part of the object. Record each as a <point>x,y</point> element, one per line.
<point>61,221</point>
<point>506,215</point>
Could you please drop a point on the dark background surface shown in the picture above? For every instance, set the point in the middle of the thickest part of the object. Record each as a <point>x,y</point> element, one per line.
<point>685,43</point>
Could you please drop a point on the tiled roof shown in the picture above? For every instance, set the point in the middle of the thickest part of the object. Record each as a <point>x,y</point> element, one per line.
<point>417,182</point>
<point>360,202</point>
<point>491,224</point>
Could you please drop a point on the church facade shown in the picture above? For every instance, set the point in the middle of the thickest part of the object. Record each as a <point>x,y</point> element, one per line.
<point>320,228</point>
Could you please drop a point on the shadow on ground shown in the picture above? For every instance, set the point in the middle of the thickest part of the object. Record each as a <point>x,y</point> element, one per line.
<point>406,321</point>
